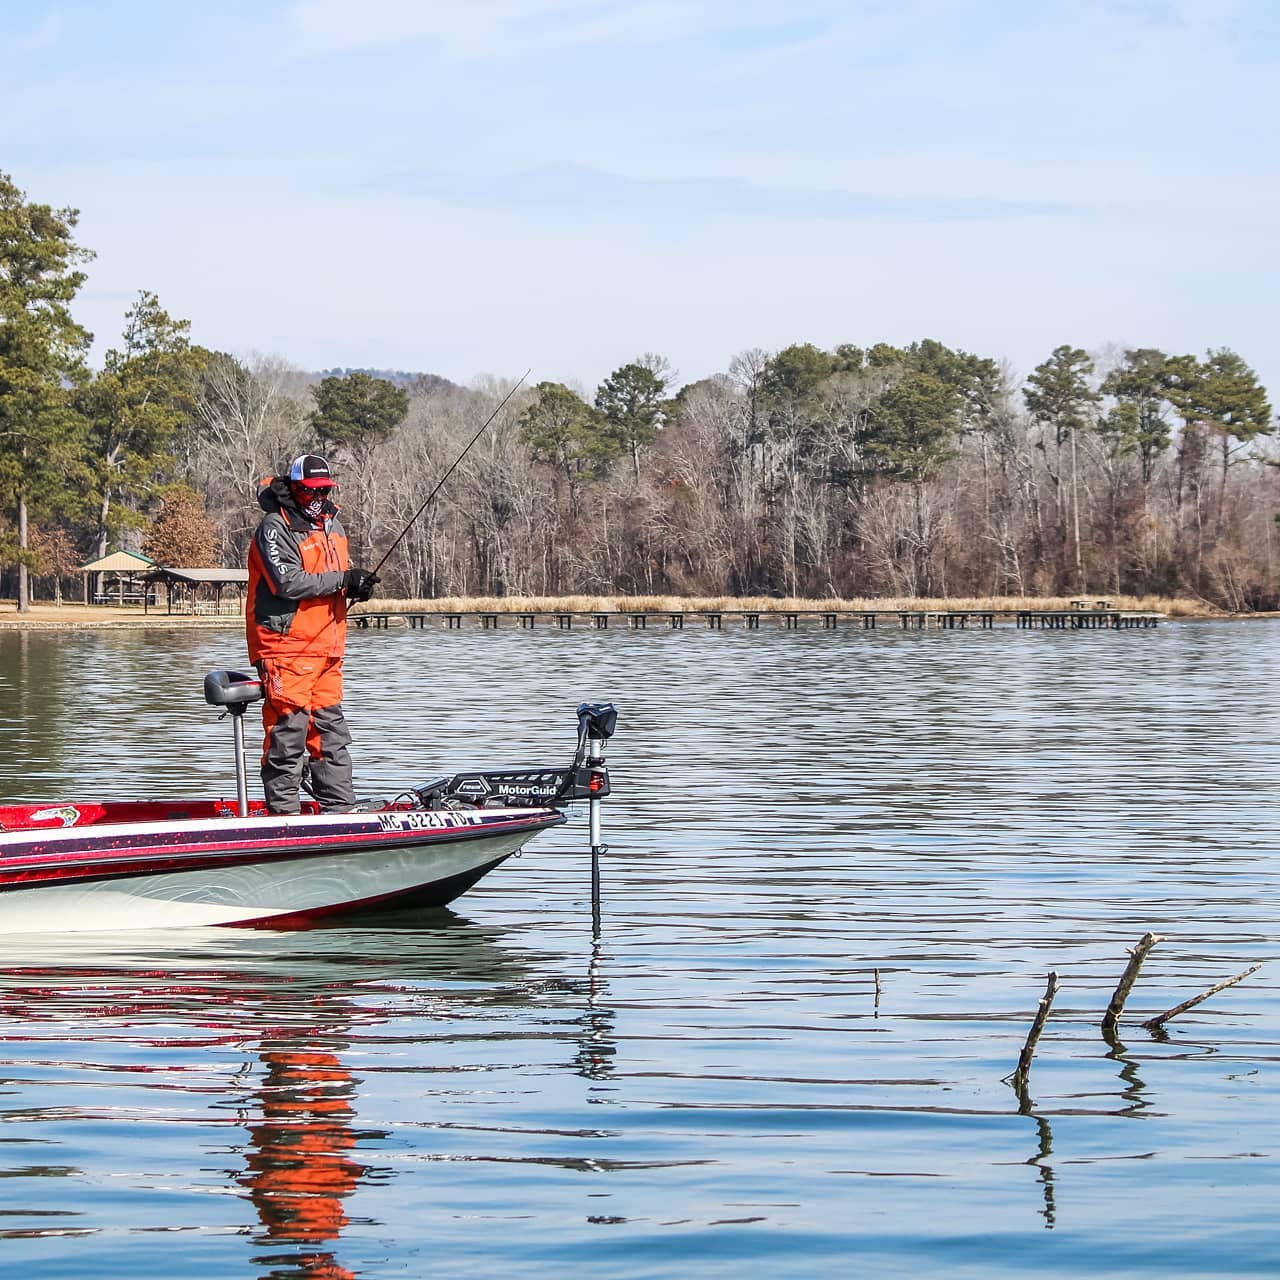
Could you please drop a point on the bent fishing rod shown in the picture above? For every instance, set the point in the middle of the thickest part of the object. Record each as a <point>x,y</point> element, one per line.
<point>440,484</point>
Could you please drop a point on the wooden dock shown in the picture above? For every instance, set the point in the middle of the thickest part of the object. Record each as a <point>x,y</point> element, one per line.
<point>1074,619</point>
<point>1083,620</point>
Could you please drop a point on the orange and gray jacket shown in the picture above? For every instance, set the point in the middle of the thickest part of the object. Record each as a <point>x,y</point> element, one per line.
<point>296,604</point>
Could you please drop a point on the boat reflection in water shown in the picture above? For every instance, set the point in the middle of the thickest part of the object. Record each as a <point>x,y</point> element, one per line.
<point>275,1018</point>
<point>300,1166</point>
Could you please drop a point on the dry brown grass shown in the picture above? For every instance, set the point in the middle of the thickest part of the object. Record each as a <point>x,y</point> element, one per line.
<point>44,615</point>
<point>1174,608</point>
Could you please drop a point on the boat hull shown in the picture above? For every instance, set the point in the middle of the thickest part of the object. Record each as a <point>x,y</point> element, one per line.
<point>260,871</point>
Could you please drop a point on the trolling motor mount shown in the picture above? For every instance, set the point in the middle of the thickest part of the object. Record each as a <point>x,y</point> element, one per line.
<point>586,777</point>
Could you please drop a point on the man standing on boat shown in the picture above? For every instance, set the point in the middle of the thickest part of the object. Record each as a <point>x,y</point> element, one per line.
<point>300,583</point>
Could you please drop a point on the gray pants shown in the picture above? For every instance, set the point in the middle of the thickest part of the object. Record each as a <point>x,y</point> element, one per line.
<point>296,734</point>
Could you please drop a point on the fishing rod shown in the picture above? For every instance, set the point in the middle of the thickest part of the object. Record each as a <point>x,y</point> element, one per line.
<point>440,485</point>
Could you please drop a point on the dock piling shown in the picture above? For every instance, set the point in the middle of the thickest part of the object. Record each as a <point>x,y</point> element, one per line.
<point>1077,619</point>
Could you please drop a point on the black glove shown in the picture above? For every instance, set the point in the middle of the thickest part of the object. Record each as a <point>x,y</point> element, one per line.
<point>359,585</point>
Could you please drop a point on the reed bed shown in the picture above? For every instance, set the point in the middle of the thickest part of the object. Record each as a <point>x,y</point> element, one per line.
<point>1177,607</point>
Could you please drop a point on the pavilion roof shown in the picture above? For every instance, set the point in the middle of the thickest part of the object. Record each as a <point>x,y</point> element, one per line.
<point>118,562</point>
<point>164,573</point>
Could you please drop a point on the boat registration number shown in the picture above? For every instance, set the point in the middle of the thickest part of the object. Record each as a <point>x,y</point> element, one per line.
<point>430,820</point>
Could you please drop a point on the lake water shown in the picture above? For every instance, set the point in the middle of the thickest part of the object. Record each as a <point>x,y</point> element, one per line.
<point>841,866</point>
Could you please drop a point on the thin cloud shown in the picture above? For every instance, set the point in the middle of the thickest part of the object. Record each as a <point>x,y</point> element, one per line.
<point>481,27</point>
<point>692,175</point>
<point>44,35</point>
<point>595,191</point>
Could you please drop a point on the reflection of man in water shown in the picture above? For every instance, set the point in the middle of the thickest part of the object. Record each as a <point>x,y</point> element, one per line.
<point>299,1173</point>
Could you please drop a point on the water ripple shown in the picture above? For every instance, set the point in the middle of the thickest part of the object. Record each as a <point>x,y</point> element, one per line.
<point>842,865</point>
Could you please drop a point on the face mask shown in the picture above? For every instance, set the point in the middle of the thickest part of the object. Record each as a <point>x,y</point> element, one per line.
<point>312,502</point>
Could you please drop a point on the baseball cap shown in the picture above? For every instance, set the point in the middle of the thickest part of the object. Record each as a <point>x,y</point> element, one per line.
<point>312,470</point>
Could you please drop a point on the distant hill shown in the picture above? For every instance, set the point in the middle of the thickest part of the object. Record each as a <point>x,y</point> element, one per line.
<point>424,383</point>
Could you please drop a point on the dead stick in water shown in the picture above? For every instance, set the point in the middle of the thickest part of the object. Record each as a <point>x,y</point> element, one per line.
<point>1019,1077</point>
<point>1111,1019</point>
<point>1160,1019</point>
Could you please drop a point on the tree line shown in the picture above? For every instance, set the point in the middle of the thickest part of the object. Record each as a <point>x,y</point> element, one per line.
<point>915,470</point>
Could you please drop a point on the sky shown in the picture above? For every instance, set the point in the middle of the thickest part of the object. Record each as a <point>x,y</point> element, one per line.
<point>484,186</point>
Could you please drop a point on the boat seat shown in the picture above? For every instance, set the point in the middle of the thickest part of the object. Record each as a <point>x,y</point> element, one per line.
<point>231,688</point>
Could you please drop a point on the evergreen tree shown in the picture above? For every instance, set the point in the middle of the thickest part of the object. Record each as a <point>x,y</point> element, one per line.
<point>354,415</point>
<point>1136,423</point>
<point>41,353</point>
<point>134,408</point>
<point>632,401</point>
<point>357,412</point>
<point>567,434</point>
<point>912,432</point>
<point>796,372</point>
<point>1229,400</point>
<point>1058,394</point>
<point>913,428</point>
<point>975,379</point>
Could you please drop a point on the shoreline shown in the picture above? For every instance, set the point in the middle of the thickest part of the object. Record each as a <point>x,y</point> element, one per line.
<point>66,617</point>
<point>70,617</point>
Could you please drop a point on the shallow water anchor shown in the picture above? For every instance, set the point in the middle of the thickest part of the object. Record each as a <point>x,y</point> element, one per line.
<point>596,723</point>
<point>595,758</point>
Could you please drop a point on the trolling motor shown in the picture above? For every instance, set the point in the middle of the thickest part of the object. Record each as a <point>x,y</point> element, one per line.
<point>586,778</point>
<point>234,690</point>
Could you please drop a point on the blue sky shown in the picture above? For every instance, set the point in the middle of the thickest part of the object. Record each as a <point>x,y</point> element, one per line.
<point>488,185</point>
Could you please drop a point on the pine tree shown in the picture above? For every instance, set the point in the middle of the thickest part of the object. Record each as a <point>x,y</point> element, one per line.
<point>41,353</point>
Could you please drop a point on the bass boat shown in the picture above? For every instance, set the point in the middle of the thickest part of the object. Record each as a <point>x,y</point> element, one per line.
<point>143,864</point>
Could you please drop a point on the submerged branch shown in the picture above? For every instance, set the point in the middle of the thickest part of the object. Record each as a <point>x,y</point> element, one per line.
<point>1019,1077</point>
<point>1160,1019</point>
<point>1111,1019</point>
